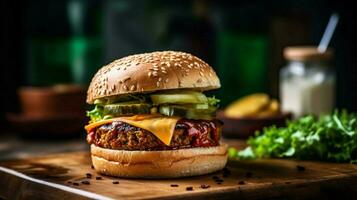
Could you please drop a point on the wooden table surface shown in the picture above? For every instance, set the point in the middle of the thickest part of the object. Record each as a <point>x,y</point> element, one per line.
<point>56,176</point>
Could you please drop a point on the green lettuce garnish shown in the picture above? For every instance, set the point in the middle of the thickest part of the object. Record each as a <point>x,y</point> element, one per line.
<point>328,138</point>
<point>212,101</point>
<point>96,114</point>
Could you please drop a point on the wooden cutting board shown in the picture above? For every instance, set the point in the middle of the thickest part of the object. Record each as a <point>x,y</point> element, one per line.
<point>57,176</point>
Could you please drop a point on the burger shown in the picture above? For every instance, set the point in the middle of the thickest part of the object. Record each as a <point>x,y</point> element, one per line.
<point>151,118</point>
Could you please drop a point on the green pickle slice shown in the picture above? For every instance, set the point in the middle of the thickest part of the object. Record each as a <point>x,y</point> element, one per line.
<point>126,108</point>
<point>188,97</point>
<point>187,104</point>
<point>188,111</point>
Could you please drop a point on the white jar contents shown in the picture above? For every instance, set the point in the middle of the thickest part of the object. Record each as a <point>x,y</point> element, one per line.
<point>306,86</point>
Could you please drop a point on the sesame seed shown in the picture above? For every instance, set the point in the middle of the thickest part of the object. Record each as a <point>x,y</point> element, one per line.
<point>85,182</point>
<point>160,78</point>
<point>133,87</point>
<point>205,186</point>
<point>165,72</point>
<point>167,80</point>
<point>241,183</point>
<point>218,180</point>
<point>149,74</point>
<point>125,87</point>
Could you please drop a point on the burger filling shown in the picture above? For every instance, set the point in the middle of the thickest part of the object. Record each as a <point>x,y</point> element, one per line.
<point>191,114</point>
<point>187,134</point>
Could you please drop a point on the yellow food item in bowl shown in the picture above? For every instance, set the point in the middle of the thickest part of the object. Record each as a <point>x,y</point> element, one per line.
<point>272,109</point>
<point>254,105</point>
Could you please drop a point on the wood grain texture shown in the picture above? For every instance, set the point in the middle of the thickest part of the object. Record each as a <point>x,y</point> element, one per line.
<point>262,179</point>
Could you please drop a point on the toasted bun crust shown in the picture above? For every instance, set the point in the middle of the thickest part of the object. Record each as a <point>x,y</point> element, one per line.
<point>150,72</point>
<point>159,164</point>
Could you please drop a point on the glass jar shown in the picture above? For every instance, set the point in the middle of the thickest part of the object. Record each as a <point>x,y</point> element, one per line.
<point>307,82</point>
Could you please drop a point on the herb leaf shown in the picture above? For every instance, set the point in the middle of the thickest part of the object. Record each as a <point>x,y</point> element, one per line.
<point>329,138</point>
<point>96,114</point>
<point>213,101</point>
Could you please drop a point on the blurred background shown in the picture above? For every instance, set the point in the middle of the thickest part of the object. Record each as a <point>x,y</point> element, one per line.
<point>48,42</point>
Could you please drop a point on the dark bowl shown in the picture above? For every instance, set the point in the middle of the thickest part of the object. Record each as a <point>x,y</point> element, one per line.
<point>52,101</point>
<point>247,126</point>
<point>59,126</point>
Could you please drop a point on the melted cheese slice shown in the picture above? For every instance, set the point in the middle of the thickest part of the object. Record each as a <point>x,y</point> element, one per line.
<point>162,127</point>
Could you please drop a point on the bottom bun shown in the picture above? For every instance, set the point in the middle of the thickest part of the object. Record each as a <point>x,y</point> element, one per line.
<point>159,164</point>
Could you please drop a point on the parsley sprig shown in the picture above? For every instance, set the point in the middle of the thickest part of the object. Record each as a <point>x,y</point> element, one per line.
<point>328,138</point>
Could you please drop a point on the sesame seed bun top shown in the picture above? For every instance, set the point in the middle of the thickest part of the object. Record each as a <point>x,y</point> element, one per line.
<point>149,72</point>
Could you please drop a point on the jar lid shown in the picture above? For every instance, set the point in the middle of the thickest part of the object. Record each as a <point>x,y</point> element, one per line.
<point>307,53</point>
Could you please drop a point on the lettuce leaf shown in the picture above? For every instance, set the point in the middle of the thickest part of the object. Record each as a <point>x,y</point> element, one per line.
<point>328,138</point>
<point>96,114</point>
<point>213,101</point>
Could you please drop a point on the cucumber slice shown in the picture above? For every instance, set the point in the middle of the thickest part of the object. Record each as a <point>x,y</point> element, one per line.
<point>126,108</point>
<point>187,111</point>
<point>201,106</point>
<point>188,97</point>
<point>120,99</point>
